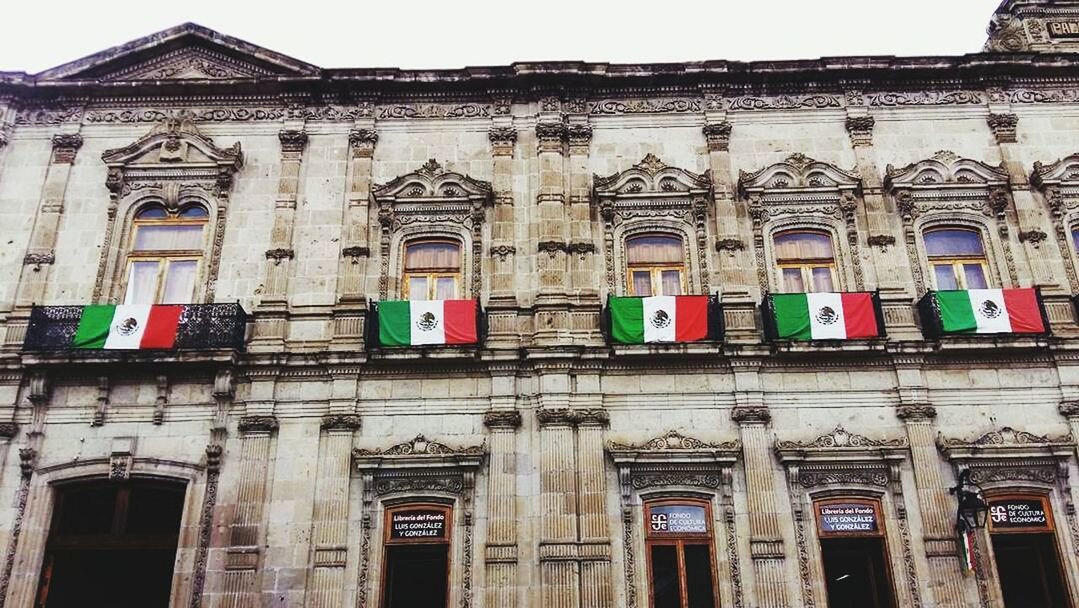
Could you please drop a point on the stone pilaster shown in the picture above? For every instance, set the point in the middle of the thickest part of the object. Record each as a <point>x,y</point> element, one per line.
<point>766,544</point>
<point>329,534</point>
<point>501,556</point>
<point>241,577</point>
<point>558,558</point>
<point>355,237</point>
<point>581,248</point>
<point>272,313</point>
<point>595,546</point>
<point>502,303</point>
<point>549,224</point>
<point>946,583</point>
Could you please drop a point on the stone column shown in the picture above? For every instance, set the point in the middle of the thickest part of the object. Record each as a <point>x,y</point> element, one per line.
<point>329,534</point>
<point>271,319</point>
<point>502,303</point>
<point>762,505</point>
<point>355,238</point>
<point>501,553</point>
<point>946,583</point>
<point>559,569</point>
<point>550,225</point>
<point>595,546</point>
<point>581,247</point>
<point>241,578</point>
<point>734,277</point>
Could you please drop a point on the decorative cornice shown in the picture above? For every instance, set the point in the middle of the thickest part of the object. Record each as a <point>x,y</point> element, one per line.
<point>279,255</point>
<point>64,147</point>
<point>751,415</point>
<point>673,440</point>
<point>341,422</point>
<point>840,438</point>
<point>420,446</point>
<point>1003,127</point>
<point>502,419</point>
<point>916,412</point>
<point>718,136</point>
<point>257,424</point>
<point>292,140</point>
<point>860,129</point>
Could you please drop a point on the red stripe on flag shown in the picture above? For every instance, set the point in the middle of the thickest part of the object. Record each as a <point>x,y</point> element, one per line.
<point>1023,311</point>
<point>690,318</point>
<point>161,327</point>
<point>860,316</point>
<point>460,319</point>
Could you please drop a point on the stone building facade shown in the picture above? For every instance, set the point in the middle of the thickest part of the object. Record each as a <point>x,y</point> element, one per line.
<point>545,455</point>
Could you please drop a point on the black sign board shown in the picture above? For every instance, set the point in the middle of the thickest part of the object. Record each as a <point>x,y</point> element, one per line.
<point>677,519</point>
<point>1018,514</point>
<point>415,524</point>
<point>848,518</point>
<point>1063,29</point>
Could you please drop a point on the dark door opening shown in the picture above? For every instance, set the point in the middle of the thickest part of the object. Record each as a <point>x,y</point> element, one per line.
<point>112,544</point>
<point>417,576</point>
<point>1029,571</point>
<point>856,573</point>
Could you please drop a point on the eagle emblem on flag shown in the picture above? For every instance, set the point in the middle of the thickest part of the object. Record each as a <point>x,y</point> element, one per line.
<point>427,321</point>
<point>989,309</point>
<point>660,319</point>
<point>827,315</point>
<point>127,327</point>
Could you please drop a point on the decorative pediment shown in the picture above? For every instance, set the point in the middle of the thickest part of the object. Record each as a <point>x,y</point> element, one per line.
<point>433,183</point>
<point>842,458</point>
<point>945,170</point>
<point>418,466</point>
<point>420,446</point>
<point>1005,438</point>
<point>1060,173</point>
<point>1008,455</point>
<point>798,173</point>
<point>187,51</point>
<point>673,440</point>
<point>841,439</point>
<point>651,178</point>
<point>174,150</point>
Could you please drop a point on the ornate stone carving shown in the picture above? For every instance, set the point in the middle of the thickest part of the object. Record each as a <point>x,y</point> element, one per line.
<point>502,139</point>
<point>257,424</point>
<point>916,412</point>
<point>751,415</point>
<point>1003,437</point>
<point>884,241</point>
<point>645,106</point>
<point>363,142</point>
<point>64,147</point>
<point>8,430</point>
<point>785,102</point>
<point>502,419</point>
<point>860,129</point>
<point>279,255</point>
<point>27,462</point>
<point>578,135</point>
<point>120,466</point>
<point>580,249</point>
<point>443,111</point>
<point>342,422</point>
<point>292,140</point>
<point>718,136</point>
<point>655,480</point>
<point>355,252</point>
<point>1003,127</point>
<point>551,248</point>
<point>840,438</point>
<point>1006,34</point>
<point>673,440</point>
<point>572,417</point>
<point>730,245</point>
<point>502,251</point>
<point>1034,237</point>
<point>550,132</point>
<point>420,445</point>
<point>926,98</point>
<point>855,476</point>
<point>1068,409</point>
<point>37,260</point>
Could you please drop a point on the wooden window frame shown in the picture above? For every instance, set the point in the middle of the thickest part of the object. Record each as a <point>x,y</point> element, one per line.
<point>1047,506</point>
<point>679,541</point>
<point>655,271</point>
<point>806,265</point>
<point>165,257</point>
<point>957,262</point>
<point>432,274</point>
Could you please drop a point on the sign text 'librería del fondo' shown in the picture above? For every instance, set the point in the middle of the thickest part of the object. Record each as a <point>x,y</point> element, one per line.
<point>418,523</point>
<point>848,518</point>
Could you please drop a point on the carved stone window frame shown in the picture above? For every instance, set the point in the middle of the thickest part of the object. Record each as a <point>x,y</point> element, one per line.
<point>1058,183</point>
<point>841,464</point>
<point>946,189</point>
<point>1010,461</point>
<point>432,202</point>
<point>674,466</point>
<point>653,197</point>
<point>171,165</point>
<point>417,471</point>
<point>804,193</point>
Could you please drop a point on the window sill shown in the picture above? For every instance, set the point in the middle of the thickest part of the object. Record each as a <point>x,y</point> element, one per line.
<point>134,357</point>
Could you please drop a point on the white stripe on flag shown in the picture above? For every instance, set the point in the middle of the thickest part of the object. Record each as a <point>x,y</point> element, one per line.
<point>826,320</point>
<point>990,312</point>
<point>427,322</point>
<point>659,321</point>
<point>128,325</point>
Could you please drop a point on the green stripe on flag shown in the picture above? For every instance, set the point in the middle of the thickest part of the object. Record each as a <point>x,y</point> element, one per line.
<point>94,326</point>
<point>394,323</point>
<point>627,320</point>
<point>792,316</point>
<point>956,313</point>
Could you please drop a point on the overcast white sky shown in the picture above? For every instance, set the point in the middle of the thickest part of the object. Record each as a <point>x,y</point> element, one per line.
<point>41,34</point>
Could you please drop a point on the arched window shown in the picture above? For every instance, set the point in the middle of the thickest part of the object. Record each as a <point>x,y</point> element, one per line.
<point>166,251</point>
<point>655,265</point>
<point>432,270</point>
<point>956,258</point>
<point>805,261</point>
<point>680,561</point>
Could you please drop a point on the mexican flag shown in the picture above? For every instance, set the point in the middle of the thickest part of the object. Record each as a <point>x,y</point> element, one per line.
<point>421,322</point>
<point>825,316</point>
<point>990,311</point>
<point>636,320</point>
<point>127,327</point>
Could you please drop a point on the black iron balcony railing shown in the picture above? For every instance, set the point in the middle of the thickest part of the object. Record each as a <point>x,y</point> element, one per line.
<point>201,327</point>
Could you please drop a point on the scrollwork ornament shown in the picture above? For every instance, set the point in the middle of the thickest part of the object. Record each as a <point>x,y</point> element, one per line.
<point>257,424</point>
<point>502,252</point>
<point>884,241</point>
<point>718,136</point>
<point>751,415</point>
<point>730,245</point>
<point>65,146</point>
<point>341,422</point>
<point>355,252</point>
<point>916,412</point>
<point>502,419</point>
<point>502,139</point>
<point>550,133</point>
<point>37,260</point>
<point>1034,237</point>
<point>860,129</point>
<point>1003,127</point>
<point>578,135</point>
<point>279,255</point>
<point>292,140</point>
<point>551,248</point>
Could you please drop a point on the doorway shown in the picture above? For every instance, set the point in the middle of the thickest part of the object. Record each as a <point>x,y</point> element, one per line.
<point>855,572</point>
<point>416,565</point>
<point>1029,571</point>
<point>112,544</point>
